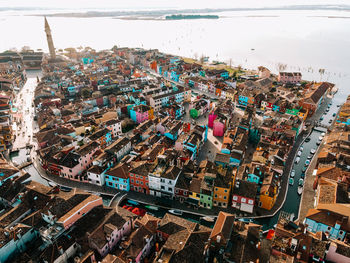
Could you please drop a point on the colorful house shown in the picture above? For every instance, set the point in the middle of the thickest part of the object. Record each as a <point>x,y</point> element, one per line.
<point>243,195</point>
<point>222,190</point>
<point>139,177</point>
<point>141,113</point>
<point>118,178</point>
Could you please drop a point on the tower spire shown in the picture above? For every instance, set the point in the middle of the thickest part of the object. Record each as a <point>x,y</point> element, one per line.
<point>49,40</point>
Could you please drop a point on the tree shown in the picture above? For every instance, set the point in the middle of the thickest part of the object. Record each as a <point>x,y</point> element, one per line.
<point>85,93</point>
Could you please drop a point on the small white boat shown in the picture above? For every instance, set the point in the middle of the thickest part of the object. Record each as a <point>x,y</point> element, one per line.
<point>208,218</point>
<point>300,190</point>
<point>52,184</point>
<point>175,212</point>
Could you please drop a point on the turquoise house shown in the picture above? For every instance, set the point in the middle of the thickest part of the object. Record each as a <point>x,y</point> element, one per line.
<point>334,231</point>
<point>117,178</point>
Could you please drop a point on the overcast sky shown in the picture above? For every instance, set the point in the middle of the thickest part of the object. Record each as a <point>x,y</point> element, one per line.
<point>135,4</point>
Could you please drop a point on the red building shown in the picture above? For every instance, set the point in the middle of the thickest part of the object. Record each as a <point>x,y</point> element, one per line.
<point>182,188</point>
<point>139,178</point>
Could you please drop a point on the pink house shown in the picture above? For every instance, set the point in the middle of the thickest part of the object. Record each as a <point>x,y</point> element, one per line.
<point>218,129</point>
<point>71,167</point>
<point>86,153</point>
<point>110,232</point>
<point>141,113</point>
<point>134,249</point>
<point>289,77</point>
<point>337,252</point>
<point>211,118</point>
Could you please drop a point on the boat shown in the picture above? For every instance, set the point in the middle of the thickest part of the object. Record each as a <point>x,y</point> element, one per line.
<point>313,151</point>
<point>320,138</point>
<point>291,181</point>
<point>133,202</point>
<point>307,162</point>
<point>307,139</point>
<point>292,173</point>
<point>334,114</point>
<point>175,212</point>
<point>52,184</point>
<point>65,188</point>
<point>208,218</point>
<point>152,207</point>
<point>300,190</point>
<point>301,182</point>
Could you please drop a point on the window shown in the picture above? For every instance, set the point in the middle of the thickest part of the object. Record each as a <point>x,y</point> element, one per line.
<point>147,184</point>
<point>250,202</point>
<point>141,183</point>
<point>170,189</point>
<point>341,232</point>
<point>185,192</point>
<point>110,184</point>
<point>209,198</point>
<point>136,176</point>
<point>235,198</point>
<point>225,197</point>
<point>132,180</point>
<point>329,228</point>
<point>137,181</point>
<point>216,189</point>
<point>243,200</point>
<point>162,187</point>
<point>169,182</point>
<point>141,177</point>
<point>131,175</point>
<point>216,196</point>
<point>225,190</point>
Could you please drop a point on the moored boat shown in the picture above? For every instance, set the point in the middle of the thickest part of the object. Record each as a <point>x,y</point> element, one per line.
<point>52,184</point>
<point>300,190</point>
<point>175,212</point>
<point>133,202</point>
<point>152,207</point>
<point>208,218</point>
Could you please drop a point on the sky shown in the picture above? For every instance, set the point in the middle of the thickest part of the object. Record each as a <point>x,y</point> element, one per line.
<point>179,4</point>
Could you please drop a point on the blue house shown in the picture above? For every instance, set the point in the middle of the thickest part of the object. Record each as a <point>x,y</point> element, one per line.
<point>243,100</point>
<point>118,178</point>
<point>331,219</point>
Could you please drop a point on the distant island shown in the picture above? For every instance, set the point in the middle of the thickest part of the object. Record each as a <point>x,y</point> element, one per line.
<point>179,17</point>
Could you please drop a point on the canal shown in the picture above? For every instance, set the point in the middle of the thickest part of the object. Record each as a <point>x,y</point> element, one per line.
<point>25,126</point>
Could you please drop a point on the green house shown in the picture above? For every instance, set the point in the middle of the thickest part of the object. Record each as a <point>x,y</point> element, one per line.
<point>206,195</point>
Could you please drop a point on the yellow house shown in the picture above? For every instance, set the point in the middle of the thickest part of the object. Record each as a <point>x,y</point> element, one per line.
<point>303,113</point>
<point>222,189</point>
<point>268,193</point>
<point>195,189</point>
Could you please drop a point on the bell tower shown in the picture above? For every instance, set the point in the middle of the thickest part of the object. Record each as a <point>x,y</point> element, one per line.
<point>49,40</point>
